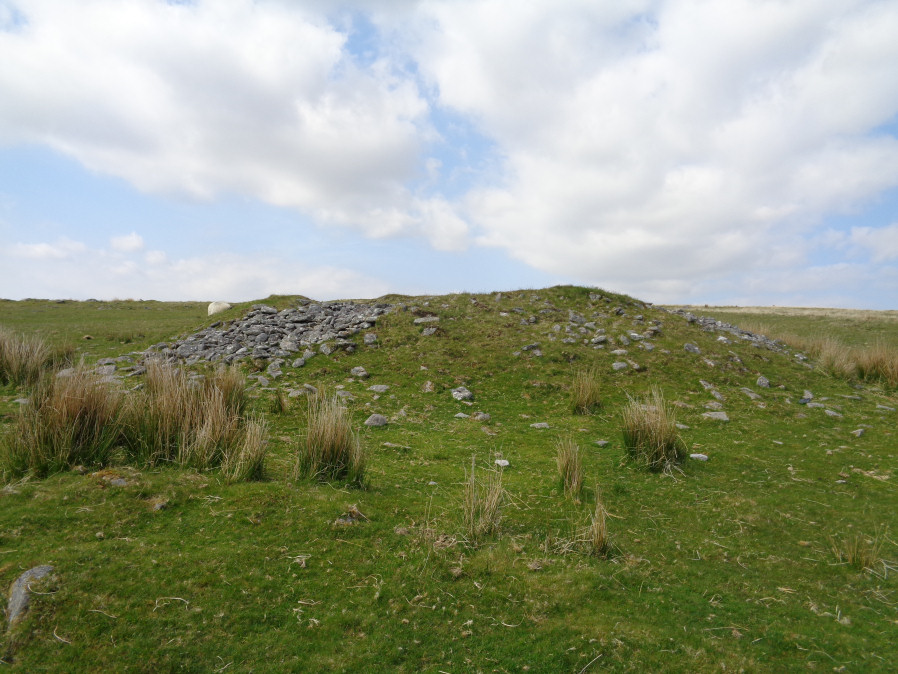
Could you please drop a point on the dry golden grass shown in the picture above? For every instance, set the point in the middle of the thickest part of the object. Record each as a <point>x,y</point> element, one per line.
<point>25,359</point>
<point>596,536</point>
<point>248,462</point>
<point>330,449</point>
<point>570,467</point>
<point>861,552</point>
<point>650,433</point>
<point>482,504</point>
<point>69,421</point>
<point>586,392</point>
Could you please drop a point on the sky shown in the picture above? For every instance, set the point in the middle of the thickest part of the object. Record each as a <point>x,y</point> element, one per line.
<point>679,151</point>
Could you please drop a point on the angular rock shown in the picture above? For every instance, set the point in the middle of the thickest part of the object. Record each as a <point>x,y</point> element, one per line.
<point>717,416</point>
<point>692,348</point>
<point>359,372</point>
<point>699,457</point>
<point>540,425</point>
<point>763,382</point>
<point>619,366</point>
<point>379,388</point>
<point>461,393</point>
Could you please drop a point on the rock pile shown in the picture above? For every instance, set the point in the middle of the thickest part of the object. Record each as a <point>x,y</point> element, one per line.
<point>713,325</point>
<point>266,333</point>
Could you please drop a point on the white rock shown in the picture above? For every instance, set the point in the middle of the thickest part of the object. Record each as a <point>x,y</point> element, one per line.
<point>502,463</point>
<point>218,307</point>
<point>698,457</point>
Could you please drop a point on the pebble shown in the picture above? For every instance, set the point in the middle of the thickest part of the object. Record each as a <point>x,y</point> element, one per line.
<point>502,463</point>
<point>539,424</point>
<point>699,457</point>
<point>461,393</point>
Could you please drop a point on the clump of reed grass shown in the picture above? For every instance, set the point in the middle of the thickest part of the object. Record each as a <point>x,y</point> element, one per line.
<point>248,461</point>
<point>570,467</point>
<point>859,551</point>
<point>68,421</point>
<point>878,362</point>
<point>330,449</point>
<point>25,359</point>
<point>586,394</point>
<point>650,433</point>
<point>482,504</point>
<point>279,404</point>
<point>596,534</point>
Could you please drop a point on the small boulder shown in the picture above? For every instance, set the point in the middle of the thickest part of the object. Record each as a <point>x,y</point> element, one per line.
<point>461,393</point>
<point>20,594</point>
<point>217,308</point>
<point>376,420</point>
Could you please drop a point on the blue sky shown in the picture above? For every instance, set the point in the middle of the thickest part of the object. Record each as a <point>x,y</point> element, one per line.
<point>677,151</point>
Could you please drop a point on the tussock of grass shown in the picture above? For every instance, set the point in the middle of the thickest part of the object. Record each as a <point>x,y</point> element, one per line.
<point>650,433</point>
<point>482,504</point>
<point>596,537</point>
<point>69,421</point>
<point>586,395</point>
<point>80,420</point>
<point>570,467</point>
<point>859,551</point>
<point>330,449</point>
<point>24,359</point>
<point>248,461</point>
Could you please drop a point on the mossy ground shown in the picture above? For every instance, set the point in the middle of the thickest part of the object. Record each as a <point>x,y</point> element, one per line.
<point>726,564</point>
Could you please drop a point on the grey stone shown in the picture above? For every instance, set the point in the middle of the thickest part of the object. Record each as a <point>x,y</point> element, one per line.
<point>461,393</point>
<point>299,362</point>
<point>885,408</point>
<point>502,463</point>
<point>359,372</point>
<point>345,395</point>
<point>858,432</point>
<point>263,382</point>
<point>540,425</point>
<point>325,349</point>
<point>481,416</point>
<point>602,443</point>
<point>20,594</point>
<point>426,319</point>
<point>462,415</point>
<point>717,416</point>
<point>64,373</point>
<point>763,382</point>
<point>427,332</point>
<point>22,401</point>
<point>379,388</point>
<point>692,348</point>
<point>370,338</point>
<point>619,366</point>
<point>376,420</point>
<point>699,457</point>
<point>832,413</point>
<point>751,394</point>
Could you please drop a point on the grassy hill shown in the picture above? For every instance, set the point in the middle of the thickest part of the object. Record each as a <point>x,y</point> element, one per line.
<point>777,553</point>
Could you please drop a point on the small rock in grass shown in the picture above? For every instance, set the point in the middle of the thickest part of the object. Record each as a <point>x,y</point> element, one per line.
<point>692,348</point>
<point>717,416</point>
<point>502,463</point>
<point>832,413</point>
<point>299,362</point>
<point>858,433</point>
<point>427,332</point>
<point>376,420</point>
<point>461,393</point>
<point>619,366</point>
<point>481,416</point>
<point>763,382</point>
<point>379,388</point>
<point>699,457</point>
<point>359,372</point>
<point>462,415</point>
<point>602,443</point>
<point>20,594</point>
<point>540,424</point>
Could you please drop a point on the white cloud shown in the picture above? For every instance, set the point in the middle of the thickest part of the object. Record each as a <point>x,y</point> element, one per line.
<point>62,249</point>
<point>39,270</point>
<point>127,243</point>
<point>880,243</point>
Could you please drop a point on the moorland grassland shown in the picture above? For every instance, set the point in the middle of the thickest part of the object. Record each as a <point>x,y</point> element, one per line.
<point>232,523</point>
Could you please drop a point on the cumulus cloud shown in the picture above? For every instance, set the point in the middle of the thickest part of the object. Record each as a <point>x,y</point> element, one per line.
<point>61,249</point>
<point>652,146</point>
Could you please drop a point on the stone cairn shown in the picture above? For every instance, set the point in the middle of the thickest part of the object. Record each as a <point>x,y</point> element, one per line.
<point>266,333</point>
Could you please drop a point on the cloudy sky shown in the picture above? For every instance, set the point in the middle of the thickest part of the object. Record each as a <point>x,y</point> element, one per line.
<point>682,151</point>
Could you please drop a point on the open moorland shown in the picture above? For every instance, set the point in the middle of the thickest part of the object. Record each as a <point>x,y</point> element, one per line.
<point>553,480</point>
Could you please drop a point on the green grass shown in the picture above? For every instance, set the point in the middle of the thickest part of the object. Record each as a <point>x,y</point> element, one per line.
<point>731,563</point>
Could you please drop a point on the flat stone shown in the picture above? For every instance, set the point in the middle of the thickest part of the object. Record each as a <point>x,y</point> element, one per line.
<point>832,413</point>
<point>370,338</point>
<point>717,416</point>
<point>427,332</point>
<point>502,463</point>
<point>858,432</point>
<point>699,457</point>
<point>379,388</point>
<point>426,319</point>
<point>692,348</point>
<point>751,394</point>
<point>763,382</point>
<point>376,420</point>
<point>619,366</point>
<point>602,443</point>
<point>462,415</point>
<point>481,416</point>
<point>359,372</point>
<point>299,362</point>
<point>20,595</point>
<point>540,425</point>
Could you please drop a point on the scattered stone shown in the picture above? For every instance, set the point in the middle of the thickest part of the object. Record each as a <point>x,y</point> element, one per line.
<point>751,394</point>
<point>602,443</point>
<point>20,594</point>
<point>763,382</point>
<point>808,395</point>
<point>299,362</point>
<point>692,348</point>
<point>481,416</point>
<point>345,395</point>
<point>359,372</point>
<point>370,339</point>
<point>462,415</point>
<point>21,401</point>
<point>502,463</point>
<point>427,387</point>
<point>619,366</point>
<point>263,382</point>
<point>540,424</point>
<point>713,405</point>
<point>426,319</point>
<point>379,388</point>
<point>296,393</point>
<point>717,416</point>
<point>461,393</point>
<point>699,457</point>
<point>376,420</point>
<point>879,407</point>
<point>832,413</point>
<point>350,517</point>
<point>618,352</point>
<point>65,373</point>
<point>427,332</point>
<point>682,427</point>
<point>858,432</point>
